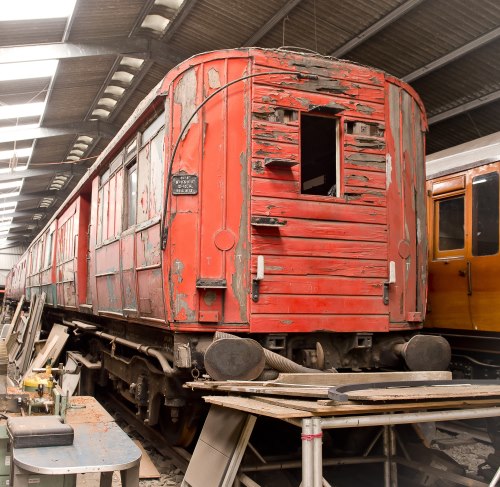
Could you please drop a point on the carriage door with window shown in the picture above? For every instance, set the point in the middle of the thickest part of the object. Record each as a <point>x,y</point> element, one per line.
<point>483,260</point>
<point>449,282</point>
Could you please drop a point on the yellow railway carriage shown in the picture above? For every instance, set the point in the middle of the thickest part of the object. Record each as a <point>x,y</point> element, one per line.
<point>464,262</point>
<point>464,267</point>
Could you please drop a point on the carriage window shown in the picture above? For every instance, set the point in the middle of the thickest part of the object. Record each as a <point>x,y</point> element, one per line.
<point>318,155</point>
<point>131,194</point>
<point>451,223</point>
<point>48,251</point>
<point>485,214</point>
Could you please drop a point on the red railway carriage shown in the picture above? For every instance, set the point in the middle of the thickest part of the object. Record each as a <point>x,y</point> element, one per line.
<point>260,192</point>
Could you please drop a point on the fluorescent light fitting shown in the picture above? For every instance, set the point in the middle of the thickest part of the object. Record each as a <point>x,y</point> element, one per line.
<point>107,102</point>
<point>9,154</point>
<point>73,158</point>
<point>155,22</point>
<point>76,152</point>
<point>175,4</point>
<point>37,216</point>
<point>60,177</point>
<point>28,70</point>
<point>22,110</point>
<point>81,146</point>
<point>101,112</point>
<point>133,62</point>
<point>36,9</point>
<point>85,139</point>
<point>123,77</point>
<point>114,90</point>
<point>46,202</point>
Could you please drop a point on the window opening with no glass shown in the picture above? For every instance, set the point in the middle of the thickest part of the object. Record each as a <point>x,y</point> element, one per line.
<point>319,155</point>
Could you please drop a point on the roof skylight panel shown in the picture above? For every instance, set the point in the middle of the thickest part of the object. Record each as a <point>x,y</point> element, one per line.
<point>36,9</point>
<point>28,70</point>
<point>22,111</point>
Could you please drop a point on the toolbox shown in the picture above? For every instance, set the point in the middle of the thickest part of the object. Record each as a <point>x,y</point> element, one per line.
<point>39,431</point>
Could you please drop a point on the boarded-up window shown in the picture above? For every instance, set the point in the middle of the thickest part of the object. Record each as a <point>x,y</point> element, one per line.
<point>65,250</point>
<point>150,179</point>
<point>47,260</point>
<point>131,194</point>
<point>109,211</point>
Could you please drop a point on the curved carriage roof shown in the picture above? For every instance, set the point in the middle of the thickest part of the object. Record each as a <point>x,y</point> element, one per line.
<point>464,156</point>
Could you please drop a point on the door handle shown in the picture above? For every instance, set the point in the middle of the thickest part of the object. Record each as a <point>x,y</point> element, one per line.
<point>469,278</point>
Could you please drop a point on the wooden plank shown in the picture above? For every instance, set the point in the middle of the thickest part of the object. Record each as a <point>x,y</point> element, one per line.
<point>364,196</point>
<point>265,187</point>
<point>296,227</point>
<point>147,469</point>
<point>419,393</point>
<point>296,303</point>
<point>364,144</point>
<point>283,150</point>
<point>330,408</point>
<point>284,265</point>
<point>316,392</point>
<point>14,324</point>
<point>273,131</point>
<point>256,407</point>
<point>52,349</point>
<point>316,210</point>
<point>265,60</point>
<point>318,247</point>
<point>364,179</point>
<point>266,323</point>
<point>297,99</point>
<point>321,379</point>
<point>321,285</point>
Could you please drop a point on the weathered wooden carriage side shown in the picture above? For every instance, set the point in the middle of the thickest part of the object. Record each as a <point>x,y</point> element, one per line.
<point>206,268</point>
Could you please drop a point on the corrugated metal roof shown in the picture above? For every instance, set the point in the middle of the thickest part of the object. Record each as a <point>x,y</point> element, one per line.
<point>423,31</point>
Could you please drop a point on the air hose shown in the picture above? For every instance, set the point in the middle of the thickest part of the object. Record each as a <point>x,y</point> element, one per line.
<point>275,360</point>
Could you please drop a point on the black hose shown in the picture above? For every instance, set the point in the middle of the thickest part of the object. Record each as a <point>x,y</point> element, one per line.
<point>275,360</point>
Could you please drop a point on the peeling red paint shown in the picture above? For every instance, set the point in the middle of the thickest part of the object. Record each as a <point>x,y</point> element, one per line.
<point>324,269</point>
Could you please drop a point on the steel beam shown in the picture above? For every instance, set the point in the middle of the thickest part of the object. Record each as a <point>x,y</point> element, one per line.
<point>277,17</point>
<point>452,56</point>
<point>124,46</point>
<point>376,27</point>
<point>471,105</point>
<point>93,128</point>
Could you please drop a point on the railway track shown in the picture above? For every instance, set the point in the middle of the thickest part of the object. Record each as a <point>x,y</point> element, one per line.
<point>179,456</point>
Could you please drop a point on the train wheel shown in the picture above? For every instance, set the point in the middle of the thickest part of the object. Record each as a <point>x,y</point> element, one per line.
<point>182,430</point>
